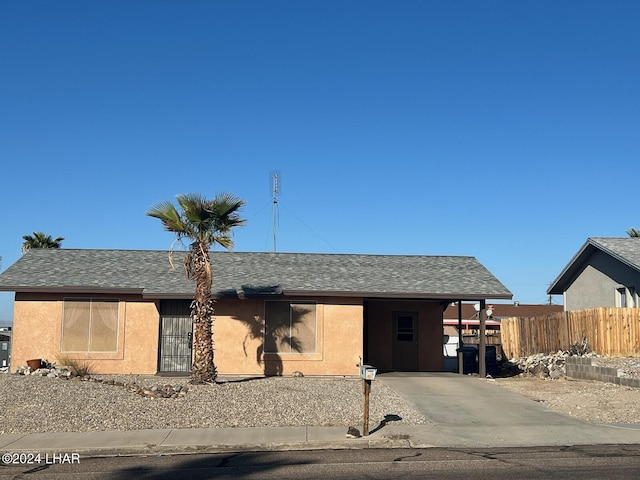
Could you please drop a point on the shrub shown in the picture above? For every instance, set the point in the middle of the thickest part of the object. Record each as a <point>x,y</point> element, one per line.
<point>580,347</point>
<point>81,368</point>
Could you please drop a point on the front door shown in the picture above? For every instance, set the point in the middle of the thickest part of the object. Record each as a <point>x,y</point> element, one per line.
<point>405,341</point>
<point>176,340</point>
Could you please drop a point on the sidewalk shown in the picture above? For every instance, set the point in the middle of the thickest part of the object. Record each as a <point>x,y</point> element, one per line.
<point>464,412</point>
<point>176,441</point>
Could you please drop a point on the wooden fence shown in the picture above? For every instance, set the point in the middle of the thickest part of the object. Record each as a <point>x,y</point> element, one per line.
<point>608,331</point>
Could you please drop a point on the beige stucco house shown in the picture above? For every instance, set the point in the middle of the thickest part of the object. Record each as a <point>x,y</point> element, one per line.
<point>127,311</point>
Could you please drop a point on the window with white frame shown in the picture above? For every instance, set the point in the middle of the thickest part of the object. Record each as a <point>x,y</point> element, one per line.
<point>89,325</point>
<point>625,297</point>
<point>290,327</point>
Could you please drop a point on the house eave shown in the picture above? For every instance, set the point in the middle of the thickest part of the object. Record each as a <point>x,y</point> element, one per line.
<point>556,287</point>
<point>403,295</point>
<point>73,289</point>
<point>168,296</point>
<point>291,293</point>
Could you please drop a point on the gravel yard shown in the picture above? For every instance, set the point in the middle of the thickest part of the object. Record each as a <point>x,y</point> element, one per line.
<point>34,404</point>
<point>589,400</point>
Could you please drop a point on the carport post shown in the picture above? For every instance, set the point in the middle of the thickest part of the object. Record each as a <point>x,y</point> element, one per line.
<point>460,358</point>
<point>482,350</point>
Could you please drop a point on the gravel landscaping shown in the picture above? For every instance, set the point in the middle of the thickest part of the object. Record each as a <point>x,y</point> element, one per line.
<point>38,404</point>
<point>33,404</point>
<point>589,400</point>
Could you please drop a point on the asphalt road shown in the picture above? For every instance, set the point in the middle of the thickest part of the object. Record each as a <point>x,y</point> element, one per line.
<point>583,462</point>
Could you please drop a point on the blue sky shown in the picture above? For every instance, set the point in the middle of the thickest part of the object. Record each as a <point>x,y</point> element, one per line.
<point>503,130</point>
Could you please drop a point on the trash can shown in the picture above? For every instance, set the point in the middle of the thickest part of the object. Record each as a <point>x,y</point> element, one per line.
<point>491,360</point>
<point>469,359</point>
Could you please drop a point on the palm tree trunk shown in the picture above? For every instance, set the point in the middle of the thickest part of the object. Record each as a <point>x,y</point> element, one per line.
<point>203,369</point>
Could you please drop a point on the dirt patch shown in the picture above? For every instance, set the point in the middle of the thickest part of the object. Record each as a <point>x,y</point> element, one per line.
<point>589,400</point>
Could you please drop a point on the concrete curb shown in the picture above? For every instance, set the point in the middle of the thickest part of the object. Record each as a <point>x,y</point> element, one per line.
<point>159,450</point>
<point>189,441</point>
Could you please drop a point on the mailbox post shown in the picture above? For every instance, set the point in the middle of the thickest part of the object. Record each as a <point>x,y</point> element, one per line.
<point>367,373</point>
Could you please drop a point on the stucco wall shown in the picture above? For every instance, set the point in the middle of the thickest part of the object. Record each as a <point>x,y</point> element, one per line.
<point>596,284</point>
<point>37,326</point>
<point>238,338</point>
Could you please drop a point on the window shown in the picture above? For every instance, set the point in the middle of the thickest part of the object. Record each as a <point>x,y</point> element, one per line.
<point>404,328</point>
<point>5,345</point>
<point>621,297</point>
<point>290,327</point>
<point>90,326</point>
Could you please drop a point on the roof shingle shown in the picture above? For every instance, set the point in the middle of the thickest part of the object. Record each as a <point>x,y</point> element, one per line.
<point>151,273</point>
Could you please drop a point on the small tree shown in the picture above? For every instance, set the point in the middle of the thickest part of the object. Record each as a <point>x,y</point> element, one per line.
<point>40,240</point>
<point>205,223</point>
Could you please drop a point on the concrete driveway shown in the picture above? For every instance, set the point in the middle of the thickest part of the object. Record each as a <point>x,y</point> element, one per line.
<point>468,411</point>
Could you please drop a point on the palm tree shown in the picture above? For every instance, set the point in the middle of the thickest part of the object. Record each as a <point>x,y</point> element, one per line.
<point>205,223</point>
<point>40,240</point>
<point>633,232</point>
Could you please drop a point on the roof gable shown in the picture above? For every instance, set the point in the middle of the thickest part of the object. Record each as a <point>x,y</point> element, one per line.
<point>151,274</point>
<point>626,250</point>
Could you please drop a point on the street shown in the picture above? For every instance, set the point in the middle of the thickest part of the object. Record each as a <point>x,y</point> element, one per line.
<point>584,462</point>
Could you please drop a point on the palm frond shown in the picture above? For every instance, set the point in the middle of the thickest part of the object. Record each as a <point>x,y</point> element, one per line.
<point>40,240</point>
<point>167,213</point>
<point>195,211</point>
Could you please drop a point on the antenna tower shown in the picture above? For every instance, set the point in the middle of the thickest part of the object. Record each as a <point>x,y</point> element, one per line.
<point>275,191</point>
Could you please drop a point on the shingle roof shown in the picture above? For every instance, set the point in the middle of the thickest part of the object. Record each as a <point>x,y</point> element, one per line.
<point>624,249</point>
<point>242,273</point>
<point>627,250</point>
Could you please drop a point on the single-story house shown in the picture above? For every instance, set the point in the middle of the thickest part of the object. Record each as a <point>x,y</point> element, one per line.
<point>127,311</point>
<point>605,272</point>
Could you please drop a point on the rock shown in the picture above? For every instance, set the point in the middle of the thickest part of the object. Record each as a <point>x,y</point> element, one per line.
<point>353,432</point>
<point>67,373</point>
<point>551,365</point>
<point>555,374</point>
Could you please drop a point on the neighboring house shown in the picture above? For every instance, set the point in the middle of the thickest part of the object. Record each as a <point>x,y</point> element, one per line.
<point>127,311</point>
<point>604,273</point>
<point>5,346</point>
